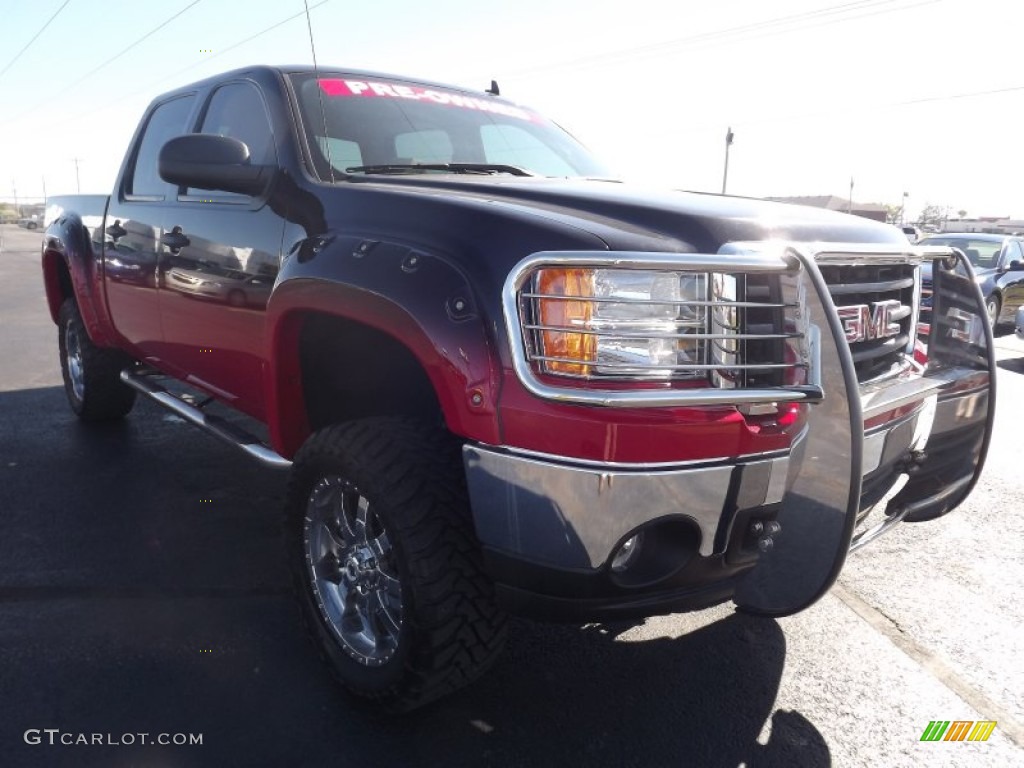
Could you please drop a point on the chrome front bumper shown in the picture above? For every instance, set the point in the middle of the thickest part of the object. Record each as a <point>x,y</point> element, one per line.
<point>573,516</point>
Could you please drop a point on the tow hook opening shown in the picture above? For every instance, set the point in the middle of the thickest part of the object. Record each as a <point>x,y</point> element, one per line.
<point>653,553</point>
<point>763,532</point>
<point>754,532</point>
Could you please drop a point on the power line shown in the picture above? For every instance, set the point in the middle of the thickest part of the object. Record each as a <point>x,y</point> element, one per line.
<point>94,70</point>
<point>821,17</point>
<point>149,90</point>
<point>951,97</point>
<point>34,38</point>
<point>240,43</point>
<point>865,109</point>
<point>857,109</point>
<point>146,36</point>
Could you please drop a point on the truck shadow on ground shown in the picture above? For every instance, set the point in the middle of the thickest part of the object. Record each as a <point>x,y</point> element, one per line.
<point>143,589</point>
<point>582,696</point>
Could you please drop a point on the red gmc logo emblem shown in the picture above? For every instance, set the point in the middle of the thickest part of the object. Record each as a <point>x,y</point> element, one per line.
<point>864,323</point>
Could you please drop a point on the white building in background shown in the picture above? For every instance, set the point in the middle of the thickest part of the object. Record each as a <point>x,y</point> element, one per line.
<point>834,203</point>
<point>997,225</point>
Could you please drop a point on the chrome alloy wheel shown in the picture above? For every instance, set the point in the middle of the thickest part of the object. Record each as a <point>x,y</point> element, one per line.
<point>992,310</point>
<point>352,572</point>
<point>76,369</point>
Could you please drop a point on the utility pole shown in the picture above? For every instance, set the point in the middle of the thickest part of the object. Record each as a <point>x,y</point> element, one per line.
<point>14,188</point>
<point>44,190</point>
<point>849,203</point>
<point>903,209</point>
<point>78,182</point>
<point>728,143</point>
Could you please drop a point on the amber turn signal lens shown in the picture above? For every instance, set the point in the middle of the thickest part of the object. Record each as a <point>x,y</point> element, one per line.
<point>568,314</point>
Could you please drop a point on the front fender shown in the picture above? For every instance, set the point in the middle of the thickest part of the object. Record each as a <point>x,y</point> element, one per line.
<point>420,299</point>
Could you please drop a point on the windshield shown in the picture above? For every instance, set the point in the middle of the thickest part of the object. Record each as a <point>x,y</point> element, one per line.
<point>386,126</point>
<point>981,253</point>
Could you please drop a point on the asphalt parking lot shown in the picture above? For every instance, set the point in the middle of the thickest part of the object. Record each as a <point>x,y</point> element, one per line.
<point>143,590</point>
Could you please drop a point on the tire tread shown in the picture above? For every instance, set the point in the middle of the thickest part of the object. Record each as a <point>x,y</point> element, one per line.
<point>457,630</point>
<point>106,398</point>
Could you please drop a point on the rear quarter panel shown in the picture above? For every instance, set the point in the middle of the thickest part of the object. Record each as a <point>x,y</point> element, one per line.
<point>72,261</point>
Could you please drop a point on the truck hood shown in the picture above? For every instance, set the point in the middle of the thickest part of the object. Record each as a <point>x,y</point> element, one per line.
<point>630,217</point>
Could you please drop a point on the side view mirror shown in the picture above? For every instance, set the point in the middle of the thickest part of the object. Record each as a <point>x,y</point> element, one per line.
<point>213,162</point>
<point>1016,266</point>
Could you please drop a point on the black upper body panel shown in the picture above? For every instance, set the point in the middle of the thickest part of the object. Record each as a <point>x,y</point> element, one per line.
<point>499,219</point>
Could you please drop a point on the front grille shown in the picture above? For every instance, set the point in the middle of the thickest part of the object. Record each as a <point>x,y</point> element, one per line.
<point>924,328</point>
<point>878,330</point>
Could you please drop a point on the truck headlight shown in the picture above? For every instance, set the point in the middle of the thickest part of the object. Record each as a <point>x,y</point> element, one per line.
<point>620,322</point>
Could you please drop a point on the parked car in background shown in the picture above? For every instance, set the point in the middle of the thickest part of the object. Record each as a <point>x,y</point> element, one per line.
<point>913,233</point>
<point>211,281</point>
<point>998,262</point>
<point>30,222</point>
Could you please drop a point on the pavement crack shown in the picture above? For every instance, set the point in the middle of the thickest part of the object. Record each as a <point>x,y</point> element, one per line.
<point>987,707</point>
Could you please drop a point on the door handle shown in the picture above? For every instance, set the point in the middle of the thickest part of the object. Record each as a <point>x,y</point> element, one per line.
<point>175,239</point>
<point>116,231</point>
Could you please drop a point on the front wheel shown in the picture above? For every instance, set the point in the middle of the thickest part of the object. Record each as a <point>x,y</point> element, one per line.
<point>92,375</point>
<point>992,310</point>
<point>387,566</point>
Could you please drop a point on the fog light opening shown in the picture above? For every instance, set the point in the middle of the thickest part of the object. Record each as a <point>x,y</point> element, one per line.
<point>654,553</point>
<point>628,553</point>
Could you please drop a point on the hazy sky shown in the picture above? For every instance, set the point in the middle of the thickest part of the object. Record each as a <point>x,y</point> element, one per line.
<point>917,96</point>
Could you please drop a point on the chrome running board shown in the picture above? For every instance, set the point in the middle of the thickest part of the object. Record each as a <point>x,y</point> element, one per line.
<point>214,425</point>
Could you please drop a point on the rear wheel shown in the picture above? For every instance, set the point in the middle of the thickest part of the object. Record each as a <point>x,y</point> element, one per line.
<point>91,374</point>
<point>386,563</point>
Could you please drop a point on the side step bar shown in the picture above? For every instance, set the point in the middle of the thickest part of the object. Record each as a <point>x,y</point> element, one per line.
<point>215,425</point>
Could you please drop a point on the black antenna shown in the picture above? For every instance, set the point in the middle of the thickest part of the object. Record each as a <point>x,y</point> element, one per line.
<point>494,88</point>
<point>319,91</point>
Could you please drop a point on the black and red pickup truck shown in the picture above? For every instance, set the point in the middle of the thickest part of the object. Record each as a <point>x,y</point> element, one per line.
<point>502,380</point>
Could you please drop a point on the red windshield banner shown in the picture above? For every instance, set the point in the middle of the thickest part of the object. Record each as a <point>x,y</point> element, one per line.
<point>339,87</point>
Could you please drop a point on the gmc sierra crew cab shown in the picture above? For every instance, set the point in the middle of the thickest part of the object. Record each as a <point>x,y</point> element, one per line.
<point>502,380</point>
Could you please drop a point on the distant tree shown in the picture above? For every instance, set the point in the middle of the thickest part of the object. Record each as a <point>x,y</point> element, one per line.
<point>931,216</point>
<point>893,214</point>
<point>961,213</point>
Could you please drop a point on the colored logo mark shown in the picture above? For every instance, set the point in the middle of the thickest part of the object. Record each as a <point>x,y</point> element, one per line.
<point>958,730</point>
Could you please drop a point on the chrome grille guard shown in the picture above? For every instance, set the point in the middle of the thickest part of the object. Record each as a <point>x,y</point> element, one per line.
<point>798,333</point>
<point>823,488</point>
